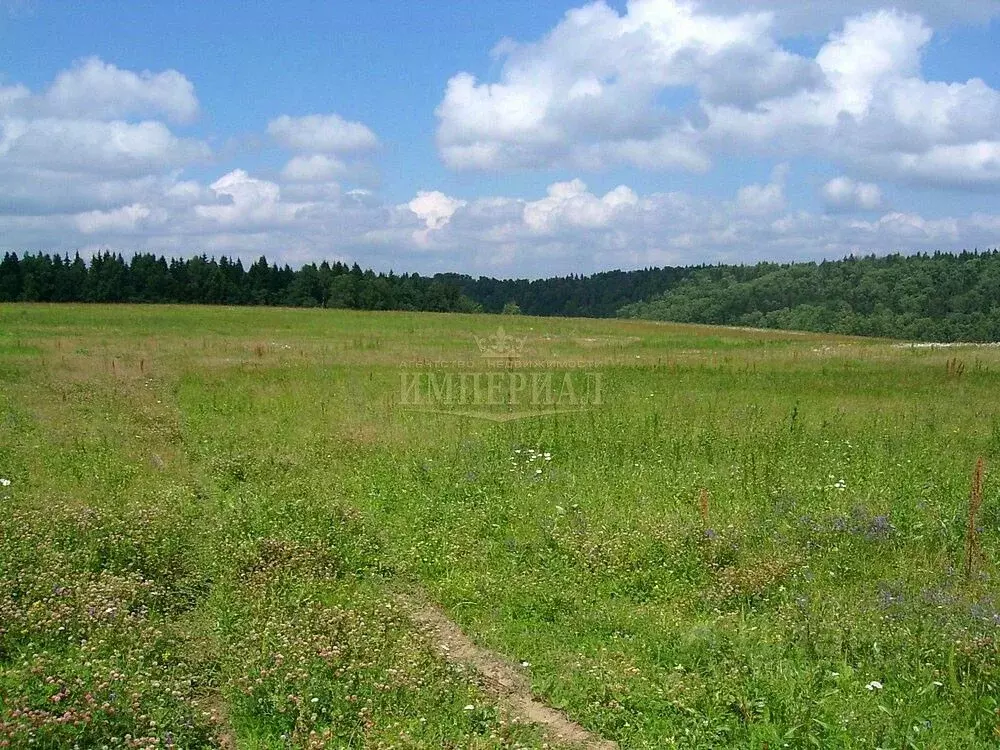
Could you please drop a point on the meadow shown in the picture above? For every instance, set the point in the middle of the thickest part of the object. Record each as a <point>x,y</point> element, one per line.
<point>209,518</point>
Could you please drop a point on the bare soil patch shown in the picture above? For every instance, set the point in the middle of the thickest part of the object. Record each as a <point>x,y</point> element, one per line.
<point>500,678</point>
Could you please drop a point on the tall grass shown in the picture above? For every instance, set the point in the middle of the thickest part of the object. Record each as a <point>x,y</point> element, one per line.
<point>972,550</point>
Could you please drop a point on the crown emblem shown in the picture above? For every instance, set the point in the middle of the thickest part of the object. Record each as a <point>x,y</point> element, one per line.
<point>501,345</point>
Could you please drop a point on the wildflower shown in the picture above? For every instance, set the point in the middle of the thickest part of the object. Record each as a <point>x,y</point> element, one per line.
<point>4,482</point>
<point>469,707</point>
<point>873,685</point>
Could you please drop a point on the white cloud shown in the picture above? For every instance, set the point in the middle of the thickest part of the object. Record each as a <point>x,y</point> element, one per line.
<point>570,205</point>
<point>11,96</point>
<point>587,94</point>
<point>322,133</point>
<point>313,168</point>
<point>568,229</point>
<point>845,194</point>
<point>122,220</point>
<point>966,164</point>
<point>435,210</point>
<point>875,114</point>
<point>869,50</point>
<point>251,202</point>
<point>69,156</point>
<point>96,89</point>
<point>762,200</point>
<point>94,146</point>
<point>596,92</point>
<point>571,230</point>
<point>75,172</point>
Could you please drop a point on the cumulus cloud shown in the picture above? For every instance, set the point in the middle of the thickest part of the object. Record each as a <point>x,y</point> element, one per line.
<point>313,168</point>
<point>94,88</point>
<point>72,150</point>
<point>435,210</point>
<point>123,220</point>
<point>10,96</point>
<point>570,204</point>
<point>322,133</point>
<point>249,202</point>
<point>595,93</point>
<point>845,194</point>
<point>95,146</point>
<point>762,200</point>
<point>86,163</point>
<point>588,93</point>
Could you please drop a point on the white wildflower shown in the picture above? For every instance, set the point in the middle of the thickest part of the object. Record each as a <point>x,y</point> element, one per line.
<point>4,482</point>
<point>873,685</point>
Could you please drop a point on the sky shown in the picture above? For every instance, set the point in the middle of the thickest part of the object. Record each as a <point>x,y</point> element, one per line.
<point>509,139</point>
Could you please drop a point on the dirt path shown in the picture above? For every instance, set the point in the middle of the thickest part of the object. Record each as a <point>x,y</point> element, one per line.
<point>501,679</point>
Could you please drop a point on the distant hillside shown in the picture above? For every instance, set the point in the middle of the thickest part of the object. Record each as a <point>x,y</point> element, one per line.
<point>939,297</point>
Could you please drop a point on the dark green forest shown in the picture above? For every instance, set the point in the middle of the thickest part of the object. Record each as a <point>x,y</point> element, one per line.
<point>202,280</point>
<point>939,297</point>
<point>930,297</point>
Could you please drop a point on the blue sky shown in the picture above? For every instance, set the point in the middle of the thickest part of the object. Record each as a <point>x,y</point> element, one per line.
<point>506,138</point>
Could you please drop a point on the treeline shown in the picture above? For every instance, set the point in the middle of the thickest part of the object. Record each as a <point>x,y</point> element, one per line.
<point>601,295</point>
<point>202,280</point>
<point>939,297</point>
<point>148,278</point>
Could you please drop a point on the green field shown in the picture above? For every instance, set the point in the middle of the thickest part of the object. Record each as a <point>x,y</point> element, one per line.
<point>754,539</point>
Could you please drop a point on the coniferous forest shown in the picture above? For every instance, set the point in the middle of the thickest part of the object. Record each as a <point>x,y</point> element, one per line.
<point>931,297</point>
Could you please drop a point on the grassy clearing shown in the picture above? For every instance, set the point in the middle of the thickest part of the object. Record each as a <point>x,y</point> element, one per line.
<point>209,510</point>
